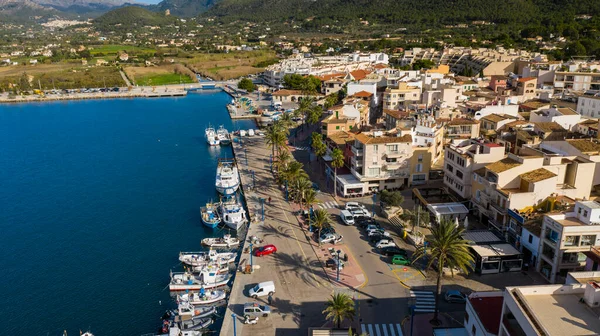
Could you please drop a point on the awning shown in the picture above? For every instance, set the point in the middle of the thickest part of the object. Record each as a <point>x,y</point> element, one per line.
<point>327,158</point>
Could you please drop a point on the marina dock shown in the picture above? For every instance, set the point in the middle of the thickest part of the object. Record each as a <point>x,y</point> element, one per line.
<point>300,281</point>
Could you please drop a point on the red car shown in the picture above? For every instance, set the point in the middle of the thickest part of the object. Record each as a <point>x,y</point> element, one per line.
<point>265,250</point>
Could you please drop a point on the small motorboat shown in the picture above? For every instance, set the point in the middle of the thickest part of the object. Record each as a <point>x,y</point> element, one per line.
<point>209,215</point>
<point>196,299</point>
<point>185,308</point>
<point>223,136</point>
<point>196,323</point>
<point>181,281</point>
<point>203,258</point>
<point>211,136</point>
<point>227,241</point>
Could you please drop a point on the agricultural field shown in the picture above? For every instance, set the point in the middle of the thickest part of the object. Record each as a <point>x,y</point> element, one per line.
<point>160,75</point>
<point>59,76</point>
<point>224,66</point>
<point>112,49</point>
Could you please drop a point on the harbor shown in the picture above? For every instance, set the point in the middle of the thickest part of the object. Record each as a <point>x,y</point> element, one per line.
<point>136,92</point>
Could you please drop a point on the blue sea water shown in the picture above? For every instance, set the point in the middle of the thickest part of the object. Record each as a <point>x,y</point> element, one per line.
<point>96,200</point>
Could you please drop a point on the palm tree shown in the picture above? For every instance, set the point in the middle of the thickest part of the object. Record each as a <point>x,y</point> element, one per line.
<point>313,115</point>
<point>446,249</point>
<point>339,307</point>
<point>300,187</point>
<point>286,120</point>
<point>282,160</point>
<point>273,138</point>
<point>337,161</point>
<point>321,218</point>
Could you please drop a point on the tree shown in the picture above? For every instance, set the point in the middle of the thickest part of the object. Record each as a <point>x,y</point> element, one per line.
<point>575,49</point>
<point>391,198</point>
<point>321,218</point>
<point>313,115</point>
<point>446,249</point>
<point>318,145</point>
<point>276,137</point>
<point>338,308</point>
<point>300,187</point>
<point>418,217</point>
<point>337,161</point>
<point>246,84</point>
<point>283,158</point>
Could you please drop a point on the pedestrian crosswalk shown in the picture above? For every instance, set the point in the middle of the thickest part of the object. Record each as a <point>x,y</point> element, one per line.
<point>425,301</point>
<point>328,205</point>
<point>382,329</point>
<point>302,148</point>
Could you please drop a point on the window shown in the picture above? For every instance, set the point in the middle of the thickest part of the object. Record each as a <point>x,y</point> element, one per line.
<point>530,240</point>
<point>572,241</point>
<point>451,156</point>
<point>419,168</point>
<point>449,168</point>
<point>459,174</point>
<point>460,161</point>
<point>466,317</point>
<point>420,158</point>
<point>392,148</point>
<point>584,213</point>
<point>588,240</point>
<point>419,177</point>
<point>375,148</point>
<point>373,171</point>
<point>337,127</point>
<point>579,210</point>
<point>478,195</point>
<point>473,330</point>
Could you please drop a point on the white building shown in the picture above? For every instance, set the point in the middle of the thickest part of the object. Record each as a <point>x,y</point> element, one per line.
<point>588,104</point>
<point>511,110</point>
<point>564,116</point>
<point>565,236</point>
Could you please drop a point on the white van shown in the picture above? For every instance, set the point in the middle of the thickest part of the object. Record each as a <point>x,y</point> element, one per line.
<point>262,289</point>
<point>347,217</point>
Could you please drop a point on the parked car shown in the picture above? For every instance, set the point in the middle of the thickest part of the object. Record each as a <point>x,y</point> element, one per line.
<point>253,309</point>
<point>454,296</point>
<point>400,260</point>
<point>328,229</point>
<point>330,238</point>
<point>378,232</point>
<point>385,243</point>
<point>373,227</point>
<point>262,289</point>
<point>374,239</point>
<point>360,213</point>
<point>364,222</point>
<point>347,217</point>
<point>265,250</point>
<point>354,205</point>
<point>393,250</point>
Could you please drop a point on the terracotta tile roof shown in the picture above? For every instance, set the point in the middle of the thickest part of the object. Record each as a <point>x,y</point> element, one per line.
<point>369,139</point>
<point>548,126</point>
<point>463,121</point>
<point>502,165</point>
<point>286,92</point>
<point>359,74</point>
<point>496,117</point>
<point>537,175</point>
<point>526,79</point>
<point>589,122</point>
<point>342,137</point>
<point>330,76</point>
<point>567,111</point>
<point>334,120</point>
<point>363,94</point>
<point>396,113</point>
<point>380,66</point>
<point>586,146</point>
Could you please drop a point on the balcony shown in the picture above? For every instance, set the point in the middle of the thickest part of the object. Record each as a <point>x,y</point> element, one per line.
<point>392,165</point>
<point>395,154</point>
<point>357,162</point>
<point>357,174</point>
<point>498,208</point>
<point>357,151</point>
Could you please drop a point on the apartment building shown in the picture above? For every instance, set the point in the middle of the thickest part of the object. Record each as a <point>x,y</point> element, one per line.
<point>577,76</point>
<point>553,310</point>
<point>490,124</point>
<point>342,140</point>
<point>483,313</point>
<point>461,159</point>
<point>397,119</point>
<point>586,148</point>
<point>526,87</point>
<point>443,96</point>
<point>564,116</point>
<point>332,85</point>
<point>401,97</point>
<point>526,180</point>
<point>383,160</point>
<point>334,124</point>
<point>565,236</point>
<point>534,133</point>
<point>462,128</point>
<point>588,104</point>
<point>427,133</point>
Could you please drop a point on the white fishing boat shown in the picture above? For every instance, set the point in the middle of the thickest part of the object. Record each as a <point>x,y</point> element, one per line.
<point>195,323</point>
<point>212,267</point>
<point>185,308</point>
<point>211,136</point>
<point>233,213</point>
<point>176,331</point>
<point>227,241</point>
<point>209,215</point>
<point>196,299</point>
<point>181,281</point>
<point>223,136</point>
<point>206,258</point>
<point>228,179</point>
<point>250,132</point>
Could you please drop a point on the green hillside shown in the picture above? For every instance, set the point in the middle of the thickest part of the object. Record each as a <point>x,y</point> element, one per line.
<point>131,16</point>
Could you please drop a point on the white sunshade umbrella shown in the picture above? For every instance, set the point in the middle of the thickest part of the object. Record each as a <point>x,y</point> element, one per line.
<point>466,224</point>
<point>456,221</point>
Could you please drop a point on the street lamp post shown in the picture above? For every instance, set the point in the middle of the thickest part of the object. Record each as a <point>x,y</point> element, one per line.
<point>262,205</point>
<point>338,264</point>
<point>412,318</point>
<point>374,200</point>
<point>253,180</point>
<point>310,212</point>
<point>271,161</point>
<point>246,156</point>
<point>234,331</point>
<point>251,265</point>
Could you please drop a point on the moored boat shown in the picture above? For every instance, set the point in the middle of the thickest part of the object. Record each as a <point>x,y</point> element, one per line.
<point>181,281</point>
<point>242,133</point>
<point>251,132</point>
<point>209,215</point>
<point>227,180</point>
<point>233,213</point>
<point>223,136</point>
<point>185,308</point>
<point>195,299</point>
<point>211,136</point>
<point>203,258</point>
<point>226,241</point>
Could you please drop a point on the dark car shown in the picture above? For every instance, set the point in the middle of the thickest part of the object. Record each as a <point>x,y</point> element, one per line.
<point>377,237</point>
<point>393,250</point>
<point>373,224</point>
<point>364,221</point>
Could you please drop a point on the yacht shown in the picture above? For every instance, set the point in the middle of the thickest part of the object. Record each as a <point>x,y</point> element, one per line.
<point>181,281</point>
<point>211,136</point>
<point>205,258</point>
<point>228,180</point>
<point>223,136</point>
<point>233,213</point>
